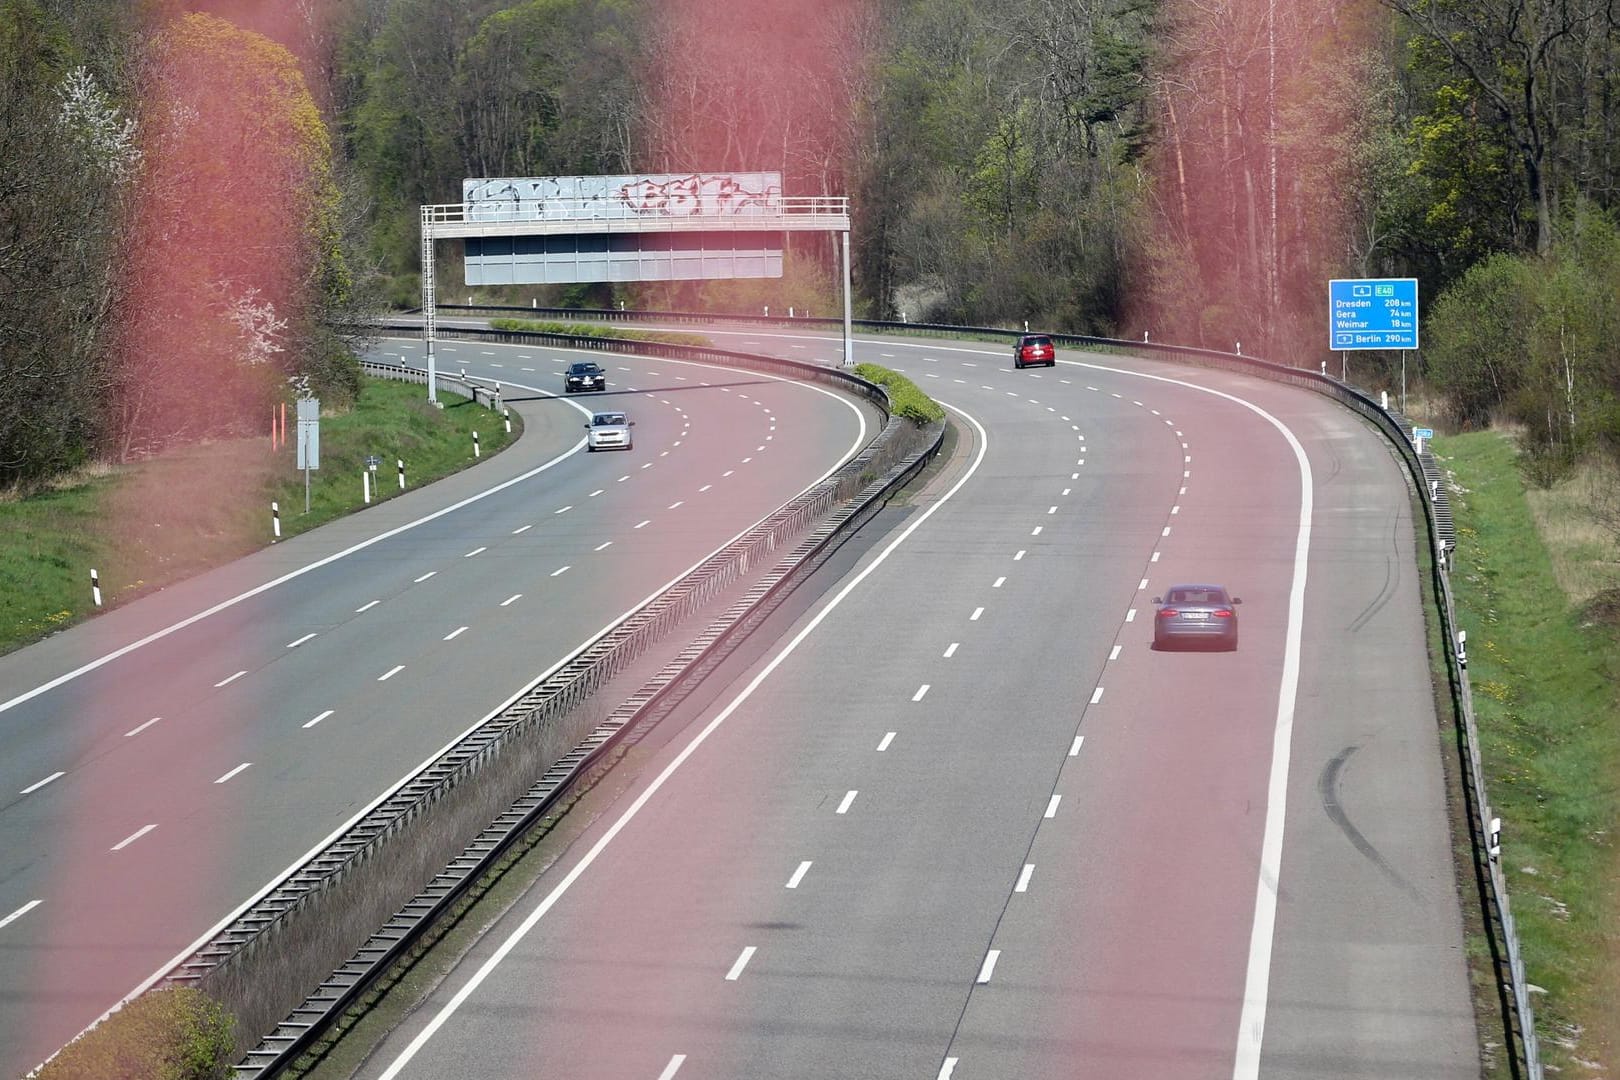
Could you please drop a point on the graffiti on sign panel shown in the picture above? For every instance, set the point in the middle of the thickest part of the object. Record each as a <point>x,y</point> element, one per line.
<point>696,194</point>
<point>609,197</point>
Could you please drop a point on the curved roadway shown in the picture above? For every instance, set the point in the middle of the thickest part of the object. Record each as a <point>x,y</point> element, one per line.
<point>164,762</point>
<point>964,822</point>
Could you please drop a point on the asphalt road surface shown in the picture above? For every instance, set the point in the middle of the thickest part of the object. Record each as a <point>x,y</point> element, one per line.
<point>165,762</point>
<point>962,821</point>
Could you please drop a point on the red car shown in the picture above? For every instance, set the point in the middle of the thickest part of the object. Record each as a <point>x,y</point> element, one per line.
<point>1032,349</point>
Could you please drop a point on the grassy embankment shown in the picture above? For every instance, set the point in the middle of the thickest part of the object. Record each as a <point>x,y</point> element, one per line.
<point>598,330</point>
<point>1535,583</point>
<point>150,524</point>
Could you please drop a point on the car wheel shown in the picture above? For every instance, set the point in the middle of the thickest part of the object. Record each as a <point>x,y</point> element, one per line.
<point>1231,646</point>
<point>1051,363</point>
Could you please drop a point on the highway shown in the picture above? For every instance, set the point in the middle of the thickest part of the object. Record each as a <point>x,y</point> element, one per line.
<point>166,761</point>
<point>961,820</point>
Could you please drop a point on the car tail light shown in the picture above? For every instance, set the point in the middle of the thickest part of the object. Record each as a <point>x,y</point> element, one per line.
<point>1169,612</point>
<point>1223,613</point>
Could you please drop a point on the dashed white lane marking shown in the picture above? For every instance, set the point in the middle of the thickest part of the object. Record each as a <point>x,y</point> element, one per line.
<point>883,743</point>
<point>1023,878</point>
<point>644,524</point>
<point>649,464</point>
<point>510,600</point>
<point>1067,490</point>
<point>1074,476</point>
<point>1019,557</point>
<point>306,637</point>
<point>1183,491</point>
<point>849,797</point>
<point>604,545</point>
<point>1166,531</point>
<point>1186,474</point>
<point>673,1067</point>
<point>704,488</point>
<point>1036,531</point>
<point>561,570</point>
<point>475,551</point>
<point>976,613</point>
<point>746,460</point>
<point>1096,695</point>
<point>1051,807</point>
<point>950,650</point>
<point>1113,654</point>
<point>132,837</point>
<point>239,769</point>
<point>1051,510</point>
<point>1156,555</point>
<point>142,727</point>
<point>1187,458</point>
<point>457,632</point>
<point>229,680</point>
<point>431,573</point>
<point>798,875</point>
<point>676,504</point>
<point>595,493</point>
<point>391,672</point>
<point>665,453</point>
<point>728,472</point>
<point>742,962</point>
<point>946,1069</point>
<point>622,479</point>
<point>1141,585</point>
<point>1074,748</point>
<point>1175,510</point>
<point>20,912</point>
<point>31,788</point>
<point>988,967</point>
<point>921,692</point>
<point>562,510</point>
<point>318,719</point>
<point>1130,616</point>
<point>374,603</point>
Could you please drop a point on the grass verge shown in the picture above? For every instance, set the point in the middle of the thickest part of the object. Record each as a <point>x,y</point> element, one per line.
<point>536,326</point>
<point>1543,673</point>
<point>904,397</point>
<point>159,521</point>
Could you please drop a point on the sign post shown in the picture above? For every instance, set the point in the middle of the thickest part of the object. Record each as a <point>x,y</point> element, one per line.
<point>309,440</point>
<point>1373,313</point>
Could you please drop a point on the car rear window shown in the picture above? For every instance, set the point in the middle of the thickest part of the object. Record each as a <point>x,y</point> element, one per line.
<point>1195,596</point>
<point>1037,341</point>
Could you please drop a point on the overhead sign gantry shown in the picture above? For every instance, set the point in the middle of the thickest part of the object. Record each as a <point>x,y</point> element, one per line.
<point>644,227</point>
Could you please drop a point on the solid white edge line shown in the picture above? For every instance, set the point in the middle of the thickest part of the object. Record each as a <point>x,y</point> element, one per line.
<point>223,605</point>
<point>454,1004</point>
<point>152,979</point>
<point>20,912</point>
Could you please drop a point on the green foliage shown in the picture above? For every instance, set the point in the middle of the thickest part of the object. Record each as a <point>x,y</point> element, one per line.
<point>598,330</point>
<point>173,1034</point>
<point>1536,341</point>
<point>905,399</point>
<point>1549,725</point>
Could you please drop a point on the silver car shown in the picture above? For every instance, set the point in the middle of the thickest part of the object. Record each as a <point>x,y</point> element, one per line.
<point>1193,614</point>
<point>608,431</point>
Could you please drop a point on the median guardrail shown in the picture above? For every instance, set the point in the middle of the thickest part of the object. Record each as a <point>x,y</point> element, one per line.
<point>310,946</point>
<point>1426,475</point>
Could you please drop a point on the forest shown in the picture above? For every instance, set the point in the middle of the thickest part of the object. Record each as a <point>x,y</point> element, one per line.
<point>212,195</point>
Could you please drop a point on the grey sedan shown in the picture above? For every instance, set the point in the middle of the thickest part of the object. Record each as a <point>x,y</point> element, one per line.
<point>1195,613</point>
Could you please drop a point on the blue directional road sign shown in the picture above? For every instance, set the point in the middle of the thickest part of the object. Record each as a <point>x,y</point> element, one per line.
<point>1373,313</point>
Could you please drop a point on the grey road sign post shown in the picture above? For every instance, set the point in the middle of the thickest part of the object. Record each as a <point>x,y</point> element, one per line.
<point>309,440</point>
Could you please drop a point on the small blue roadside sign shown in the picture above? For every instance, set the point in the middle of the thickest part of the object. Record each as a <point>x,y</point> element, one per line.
<point>1372,313</point>
<point>1422,433</point>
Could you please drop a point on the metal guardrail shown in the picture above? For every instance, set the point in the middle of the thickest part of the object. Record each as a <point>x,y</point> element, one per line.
<point>1484,826</point>
<point>552,698</point>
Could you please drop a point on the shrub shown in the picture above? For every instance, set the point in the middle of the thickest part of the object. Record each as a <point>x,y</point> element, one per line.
<point>173,1034</point>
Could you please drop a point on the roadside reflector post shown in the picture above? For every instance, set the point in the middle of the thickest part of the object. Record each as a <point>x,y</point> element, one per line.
<point>275,519</point>
<point>401,463</point>
<point>1144,337</point>
<point>1462,649</point>
<point>476,451</point>
<point>95,586</point>
<point>507,415</point>
<point>1383,398</point>
<point>365,483</point>
<point>1496,838</point>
